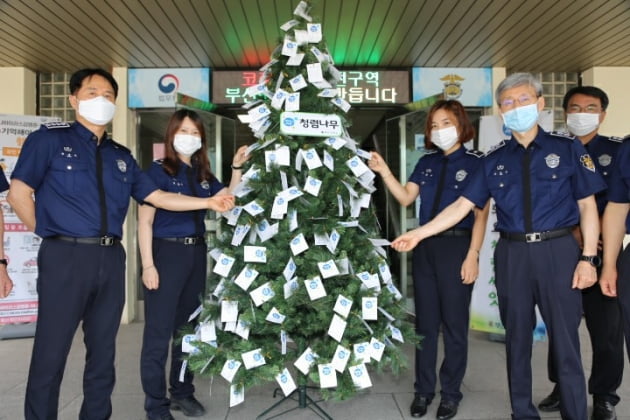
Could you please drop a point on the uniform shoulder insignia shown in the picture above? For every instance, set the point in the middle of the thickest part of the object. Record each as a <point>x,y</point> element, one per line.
<point>562,135</point>
<point>618,139</point>
<point>626,138</point>
<point>497,147</point>
<point>430,151</point>
<point>53,125</point>
<point>475,153</point>
<point>120,146</point>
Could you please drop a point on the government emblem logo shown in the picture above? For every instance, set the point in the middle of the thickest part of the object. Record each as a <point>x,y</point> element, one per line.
<point>604,160</point>
<point>122,166</point>
<point>205,185</point>
<point>461,175</point>
<point>552,160</point>
<point>452,86</point>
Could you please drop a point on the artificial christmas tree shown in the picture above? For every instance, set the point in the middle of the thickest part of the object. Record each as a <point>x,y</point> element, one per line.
<point>304,288</point>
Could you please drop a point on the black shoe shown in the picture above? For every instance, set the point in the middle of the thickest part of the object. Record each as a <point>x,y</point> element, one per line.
<point>167,416</point>
<point>603,410</point>
<point>551,402</point>
<point>447,410</point>
<point>419,406</point>
<point>189,406</point>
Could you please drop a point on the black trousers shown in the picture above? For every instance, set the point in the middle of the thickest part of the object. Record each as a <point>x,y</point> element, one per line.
<point>182,270</point>
<point>76,282</point>
<point>530,274</point>
<point>623,292</point>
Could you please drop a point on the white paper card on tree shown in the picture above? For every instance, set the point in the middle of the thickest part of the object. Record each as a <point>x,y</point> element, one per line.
<point>289,270</point>
<point>340,205</point>
<point>219,289</point>
<point>357,166</point>
<point>295,60</point>
<point>314,32</point>
<point>232,215</point>
<point>258,112</point>
<point>360,376</point>
<point>256,124</point>
<point>341,104</point>
<point>246,277</point>
<point>242,329</point>
<point>321,239</point>
<point>376,349</point>
<point>286,382</point>
<point>340,359</point>
<point>195,313</point>
<point>229,310</point>
<point>237,395</point>
<point>252,359</point>
<point>337,327</point>
<point>315,288</point>
<point>278,99</point>
<point>321,57</point>
<point>343,306</point>
<point>386,314</point>
<point>253,208</point>
<point>275,316</point>
<point>369,308</point>
<point>362,352</point>
<point>290,287</point>
<point>355,207</point>
<point>283,154</point>
<point>300,10</point>
<point>336,142</point>
<point>187,347</point>
<point>291,193</point>
<point>311,158</point>
<point>328,269</point>
<point>266,231</point>
<point>368,280</point>
<point>292,103</point>
<point>259,89</point>
<point>230,367</point>
<point>239,234</point>
<point>364,154</point>
<point>343,265</point>
<point>298,244</point>
<point>321,84</point>
<point>230,326</point>
<point>283,342</point>
<point>314,71</point>
<point>241,189</point>
<point>224,265</point>
<point>290,24</point>
<point>393,290</point>
<point>279,208</point>
<point>328,93</point>
<point>256,254</point>
<point>289,47</point>
<point>333,241</point>
<point>383,270</point>
<point>301,36</point>
<point>312,186</point>
<point>298,82</point>
<point>207,332</point>
<point>364,200</point>
<point>327,376</point>
<point>396,334</point>
<point>305,361</point>
<point>329,161</point>
<point>262,294</point>
<point>293,221</point>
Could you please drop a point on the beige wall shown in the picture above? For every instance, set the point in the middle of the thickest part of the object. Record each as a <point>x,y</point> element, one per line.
<point>19,94</point>
<point>615,81</point>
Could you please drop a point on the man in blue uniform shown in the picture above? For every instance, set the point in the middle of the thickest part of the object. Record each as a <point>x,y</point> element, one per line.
<point>82,182</point>
<point>585,108</point>
<point>543,185</point>
<point>615,277</point>
<point>6,285</point>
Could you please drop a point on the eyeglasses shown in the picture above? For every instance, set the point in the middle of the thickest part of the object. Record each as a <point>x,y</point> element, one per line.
<point>589,109</point>
<point>522,100</point>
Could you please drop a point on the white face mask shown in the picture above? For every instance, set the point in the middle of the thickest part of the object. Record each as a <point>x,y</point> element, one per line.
<point>99,110</point>
<point>582,123</point>
<point>186,144</point>
<point>445,138</point>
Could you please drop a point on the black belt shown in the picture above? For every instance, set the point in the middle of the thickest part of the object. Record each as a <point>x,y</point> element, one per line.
<point>536,236</point>
<point>102,240</point>
<point>188,240</point>
<point>455,232</point>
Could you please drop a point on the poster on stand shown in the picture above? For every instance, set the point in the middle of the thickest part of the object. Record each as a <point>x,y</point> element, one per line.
<point>484,306</point>
<point>20,245</point>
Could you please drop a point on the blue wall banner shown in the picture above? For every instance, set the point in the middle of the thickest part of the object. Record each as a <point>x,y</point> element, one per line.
<point>470,86</point>
<point>158,88</point>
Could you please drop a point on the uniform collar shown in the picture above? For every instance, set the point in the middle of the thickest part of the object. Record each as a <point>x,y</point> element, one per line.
<point>86,134</point>
<point>536,143</point>
<point>456,154</point>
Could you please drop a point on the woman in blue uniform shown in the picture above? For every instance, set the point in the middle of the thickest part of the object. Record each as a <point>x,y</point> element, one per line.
<point>174,259</point>
<point>446,265</point>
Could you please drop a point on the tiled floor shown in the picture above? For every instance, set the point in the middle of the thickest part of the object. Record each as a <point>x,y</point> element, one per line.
<point>485,386</point>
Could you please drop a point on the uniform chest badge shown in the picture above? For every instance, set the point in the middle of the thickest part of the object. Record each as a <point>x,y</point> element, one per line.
<point>552,160</point>
<point>67,149</point>
<point>461,175</point>
<point>205,185</point>
<point>604,160</point>
<point>122,165</point>
<point>587,162</point>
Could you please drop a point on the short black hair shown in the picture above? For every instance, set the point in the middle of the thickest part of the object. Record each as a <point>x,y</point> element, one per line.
<point>76,80</point>
<point>592,91</point>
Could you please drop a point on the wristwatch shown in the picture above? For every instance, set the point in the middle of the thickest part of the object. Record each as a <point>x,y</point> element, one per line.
<point>4,261</point>
<point>595,260</point>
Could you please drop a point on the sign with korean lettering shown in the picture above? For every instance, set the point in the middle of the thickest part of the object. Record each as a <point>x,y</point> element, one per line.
<point>355,86</point>
<point>158,88</point>
<point>20,245</point>
<point>310,124</point>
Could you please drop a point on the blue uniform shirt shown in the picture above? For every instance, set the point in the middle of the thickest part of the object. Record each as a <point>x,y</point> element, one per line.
<point>561,172</point>
<point>603,150</point>
<point>461,165</point>
<point>4,185</point>
<point>619,184</point>
<point>178,224</point>
<point>59,162</point>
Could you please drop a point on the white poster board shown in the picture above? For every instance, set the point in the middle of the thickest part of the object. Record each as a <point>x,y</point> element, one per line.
<point>20,246</point>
